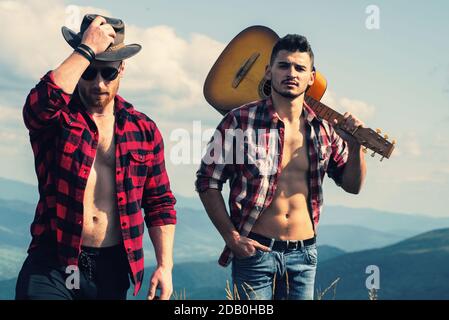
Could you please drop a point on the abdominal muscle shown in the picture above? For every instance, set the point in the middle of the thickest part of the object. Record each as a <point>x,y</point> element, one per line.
<point>287,217</point>
<point>101,226</point>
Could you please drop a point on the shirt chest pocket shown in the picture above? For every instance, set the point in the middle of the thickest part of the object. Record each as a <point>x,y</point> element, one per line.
<point>70,140</point>
<point>139,164</point>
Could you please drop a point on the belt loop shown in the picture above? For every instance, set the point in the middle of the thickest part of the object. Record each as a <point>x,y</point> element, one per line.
<point>302,243</point>
<point>271,243</point>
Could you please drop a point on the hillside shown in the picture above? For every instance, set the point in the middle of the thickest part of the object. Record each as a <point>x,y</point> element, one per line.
<point>416,268</point>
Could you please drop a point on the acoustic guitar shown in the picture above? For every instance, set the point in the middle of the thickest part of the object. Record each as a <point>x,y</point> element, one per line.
<point>238,77</point>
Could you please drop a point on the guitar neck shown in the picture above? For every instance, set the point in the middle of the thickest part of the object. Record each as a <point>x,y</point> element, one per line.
<point>323,111</point>
<point>365,136</point>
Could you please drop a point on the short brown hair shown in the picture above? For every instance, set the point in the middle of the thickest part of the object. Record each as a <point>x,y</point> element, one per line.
<point>292,43</point>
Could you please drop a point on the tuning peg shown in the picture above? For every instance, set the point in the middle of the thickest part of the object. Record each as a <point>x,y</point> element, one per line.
<point>386,136</point>
<point>365,150</point>
<point>373,154</point>
<point>381,159</point>
<point>378,130</point>
<point>393,142</point>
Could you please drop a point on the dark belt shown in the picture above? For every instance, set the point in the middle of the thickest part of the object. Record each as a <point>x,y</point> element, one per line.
<point>281,245</point>
<point>89,255</point>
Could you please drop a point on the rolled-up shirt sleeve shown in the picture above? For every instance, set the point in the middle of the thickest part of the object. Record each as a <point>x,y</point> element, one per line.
<point>44,104</point>
<point>216,166</point>
<point>338,158</point>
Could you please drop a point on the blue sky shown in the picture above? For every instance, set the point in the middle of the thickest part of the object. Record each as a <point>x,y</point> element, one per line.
<point>395,78</point>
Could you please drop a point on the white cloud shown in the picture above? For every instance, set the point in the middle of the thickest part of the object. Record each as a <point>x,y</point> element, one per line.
<point>440,141</point>
<point>32,31</point>
<point>358,108</point>
<point>168,73</point>
<point>408,145</point>
<point>166,77</point>
<point>412,148</point>
<point>13,134</point>
<point>14,142</point>
<point>10,115</point>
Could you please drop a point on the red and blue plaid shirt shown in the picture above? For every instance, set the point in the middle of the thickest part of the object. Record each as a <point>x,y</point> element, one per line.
<point>64,139</point>
<point>252,186</point>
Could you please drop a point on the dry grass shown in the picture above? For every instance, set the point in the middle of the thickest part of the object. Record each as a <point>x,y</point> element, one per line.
<point>320,295</point>
<point>372,294</point>
<point>179,296</point>
<point>233,294</point>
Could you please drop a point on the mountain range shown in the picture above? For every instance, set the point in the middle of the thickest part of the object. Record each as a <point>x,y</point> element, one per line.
<point>409,252</point>
<point>415,268</point>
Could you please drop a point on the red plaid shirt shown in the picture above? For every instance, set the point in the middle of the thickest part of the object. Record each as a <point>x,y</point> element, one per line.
<point>64,139</point>
<point>252,189</point>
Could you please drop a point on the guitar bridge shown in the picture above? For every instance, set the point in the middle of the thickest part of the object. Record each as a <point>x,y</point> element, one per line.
<point>241,73</point>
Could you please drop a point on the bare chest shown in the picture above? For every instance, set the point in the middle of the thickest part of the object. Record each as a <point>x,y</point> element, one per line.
<point>106,143</point>
<point>295,156</point>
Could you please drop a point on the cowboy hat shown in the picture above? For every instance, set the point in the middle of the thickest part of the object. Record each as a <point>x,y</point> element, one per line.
<point>117,51</point>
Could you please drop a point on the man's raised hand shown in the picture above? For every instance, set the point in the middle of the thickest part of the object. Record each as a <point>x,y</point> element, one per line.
<point>99,35</point>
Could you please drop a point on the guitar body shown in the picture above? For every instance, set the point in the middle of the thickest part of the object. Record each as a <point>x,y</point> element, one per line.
<point>238,75</point>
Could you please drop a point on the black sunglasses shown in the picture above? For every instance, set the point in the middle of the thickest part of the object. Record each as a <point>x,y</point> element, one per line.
<point>108,73</point>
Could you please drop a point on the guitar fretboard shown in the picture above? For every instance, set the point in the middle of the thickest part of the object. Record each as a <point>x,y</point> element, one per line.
<point>366,136</point>
<point>323,111</point>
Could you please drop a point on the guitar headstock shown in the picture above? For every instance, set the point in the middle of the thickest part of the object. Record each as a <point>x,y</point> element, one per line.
<point>365,136</point>
<point>374,141</point>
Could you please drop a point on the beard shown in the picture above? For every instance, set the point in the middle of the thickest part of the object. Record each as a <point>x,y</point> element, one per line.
<point>285,94</point>
<point>97,101</point>
<point>90,99</point>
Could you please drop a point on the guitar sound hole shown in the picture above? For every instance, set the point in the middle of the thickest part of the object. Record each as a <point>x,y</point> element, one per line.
<point>264,88</point>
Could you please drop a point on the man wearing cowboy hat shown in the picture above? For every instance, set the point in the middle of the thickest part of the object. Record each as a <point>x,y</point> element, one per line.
<point>98,163</point>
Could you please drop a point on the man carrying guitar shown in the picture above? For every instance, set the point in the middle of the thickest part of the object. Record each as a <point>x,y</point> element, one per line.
<point>270,234</point>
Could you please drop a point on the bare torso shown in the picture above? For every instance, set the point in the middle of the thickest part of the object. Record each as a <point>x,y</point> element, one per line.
<point>101,227</point>
<point>287,217</point>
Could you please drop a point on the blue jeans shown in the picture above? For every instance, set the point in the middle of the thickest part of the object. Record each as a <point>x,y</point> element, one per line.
<point>279,275</point>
